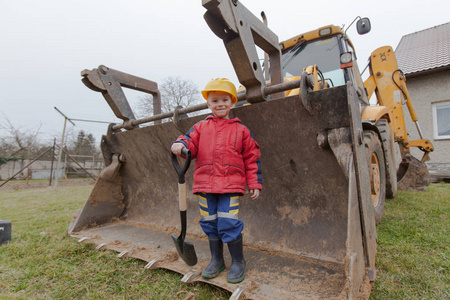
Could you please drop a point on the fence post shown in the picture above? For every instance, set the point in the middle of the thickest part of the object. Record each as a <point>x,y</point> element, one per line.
<point>53,156</point>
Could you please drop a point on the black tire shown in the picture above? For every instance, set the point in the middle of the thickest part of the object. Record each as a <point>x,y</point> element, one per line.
<point>389,158</point>
<point>377,171</point>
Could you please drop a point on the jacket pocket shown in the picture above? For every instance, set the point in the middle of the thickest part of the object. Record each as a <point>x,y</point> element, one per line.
<point>235,174</point>
<point>203,173</point>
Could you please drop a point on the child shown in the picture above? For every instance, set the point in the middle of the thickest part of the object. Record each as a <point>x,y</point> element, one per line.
<point>227,156</point>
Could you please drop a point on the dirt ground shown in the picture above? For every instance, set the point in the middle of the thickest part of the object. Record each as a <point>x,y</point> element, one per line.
<point>33,184</point>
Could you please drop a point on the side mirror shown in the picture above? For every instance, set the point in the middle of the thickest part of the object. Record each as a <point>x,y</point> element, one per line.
<point>363,25</point>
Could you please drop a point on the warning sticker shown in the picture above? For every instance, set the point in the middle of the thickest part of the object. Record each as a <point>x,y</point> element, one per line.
<point>397,97</point>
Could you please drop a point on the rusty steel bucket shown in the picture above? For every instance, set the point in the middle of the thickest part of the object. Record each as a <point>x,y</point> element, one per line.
<point>311,233</point>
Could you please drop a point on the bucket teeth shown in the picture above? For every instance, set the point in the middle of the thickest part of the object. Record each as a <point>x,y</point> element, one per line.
<point>151,264</point>
<point>123,253</point>
<point>189,277</point>
<point>372,274</point>
<point>100,246</point>
<point>238,294</point>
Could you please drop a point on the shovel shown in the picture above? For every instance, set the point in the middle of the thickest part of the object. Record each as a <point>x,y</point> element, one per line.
<point>185,250</point>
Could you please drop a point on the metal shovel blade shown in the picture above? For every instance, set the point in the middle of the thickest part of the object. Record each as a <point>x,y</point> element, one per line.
<point>185,250</point>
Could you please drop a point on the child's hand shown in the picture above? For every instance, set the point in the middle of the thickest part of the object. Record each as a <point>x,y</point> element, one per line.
<point>176,148</point>
<point>255,193</point>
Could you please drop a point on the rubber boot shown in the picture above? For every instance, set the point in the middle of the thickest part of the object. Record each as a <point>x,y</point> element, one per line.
<point>238,267</point>
<point>217,263</point>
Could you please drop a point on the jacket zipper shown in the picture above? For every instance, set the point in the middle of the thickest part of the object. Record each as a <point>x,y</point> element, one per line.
<point>235,138</point>
<point>214,151</point>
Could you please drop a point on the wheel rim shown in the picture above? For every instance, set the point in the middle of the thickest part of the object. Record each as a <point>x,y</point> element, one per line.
<point>375,179</point>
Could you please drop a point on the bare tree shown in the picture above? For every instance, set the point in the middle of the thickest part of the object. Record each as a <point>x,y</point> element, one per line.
<point>175,91</point>
<point>14,139</point>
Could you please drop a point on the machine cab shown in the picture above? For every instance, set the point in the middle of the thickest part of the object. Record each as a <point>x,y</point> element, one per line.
<point>331,51</point>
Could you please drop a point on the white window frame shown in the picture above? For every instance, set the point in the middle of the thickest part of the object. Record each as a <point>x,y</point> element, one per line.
<point>434,107</point>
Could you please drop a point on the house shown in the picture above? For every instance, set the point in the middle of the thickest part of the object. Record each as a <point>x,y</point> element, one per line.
<point>424,58</point>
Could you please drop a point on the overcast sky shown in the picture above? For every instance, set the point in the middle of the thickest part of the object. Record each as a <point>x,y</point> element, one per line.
<point>45,44</point>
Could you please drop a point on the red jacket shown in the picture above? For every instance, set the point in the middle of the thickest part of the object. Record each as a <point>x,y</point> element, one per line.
<point>226,156</point>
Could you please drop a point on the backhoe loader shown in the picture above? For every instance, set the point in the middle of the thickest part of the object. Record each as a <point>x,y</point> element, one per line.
<point>330,63</point>
<point>311,234</point>
<point>327,58</point>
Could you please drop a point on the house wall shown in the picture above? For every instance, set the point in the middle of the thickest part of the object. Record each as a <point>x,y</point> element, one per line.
<point>424,91</point>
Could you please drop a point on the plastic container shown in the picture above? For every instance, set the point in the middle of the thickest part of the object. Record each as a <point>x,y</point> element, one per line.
<point>5,231</point>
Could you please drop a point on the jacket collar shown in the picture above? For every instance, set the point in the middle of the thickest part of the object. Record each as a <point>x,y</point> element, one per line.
<point>231,120</point>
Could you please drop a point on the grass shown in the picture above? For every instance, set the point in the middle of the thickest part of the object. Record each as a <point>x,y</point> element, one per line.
<point>414,246</point>
<point>43,262</point>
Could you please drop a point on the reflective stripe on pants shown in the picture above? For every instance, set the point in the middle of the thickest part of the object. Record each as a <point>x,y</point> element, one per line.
<point>220,216</point>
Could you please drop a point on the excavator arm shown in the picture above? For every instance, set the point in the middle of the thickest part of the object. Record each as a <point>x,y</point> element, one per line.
<point>240,31</point>
<point>389,85</point>
<point>110,82</point>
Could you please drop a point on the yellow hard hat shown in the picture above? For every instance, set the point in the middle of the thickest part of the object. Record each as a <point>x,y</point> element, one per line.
<point>220,85</point>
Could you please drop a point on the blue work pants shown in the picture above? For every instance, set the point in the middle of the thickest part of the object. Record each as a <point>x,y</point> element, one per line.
<point>219,216</point>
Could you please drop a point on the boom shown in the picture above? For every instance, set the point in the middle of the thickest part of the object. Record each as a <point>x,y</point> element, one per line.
<point>240,31</point>
<point>389,85</point>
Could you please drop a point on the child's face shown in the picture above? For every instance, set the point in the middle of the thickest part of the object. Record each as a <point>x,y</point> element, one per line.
<point>220,104</point>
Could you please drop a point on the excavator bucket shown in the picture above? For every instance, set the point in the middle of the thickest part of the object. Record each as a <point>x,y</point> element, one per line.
<point>413,176</point>
<point>310,235</point>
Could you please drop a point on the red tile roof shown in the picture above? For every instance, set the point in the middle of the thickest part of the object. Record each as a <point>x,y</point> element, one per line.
<point>424,51</point>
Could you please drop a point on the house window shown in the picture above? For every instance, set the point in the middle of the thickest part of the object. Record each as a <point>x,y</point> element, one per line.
<point>441,120</point>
